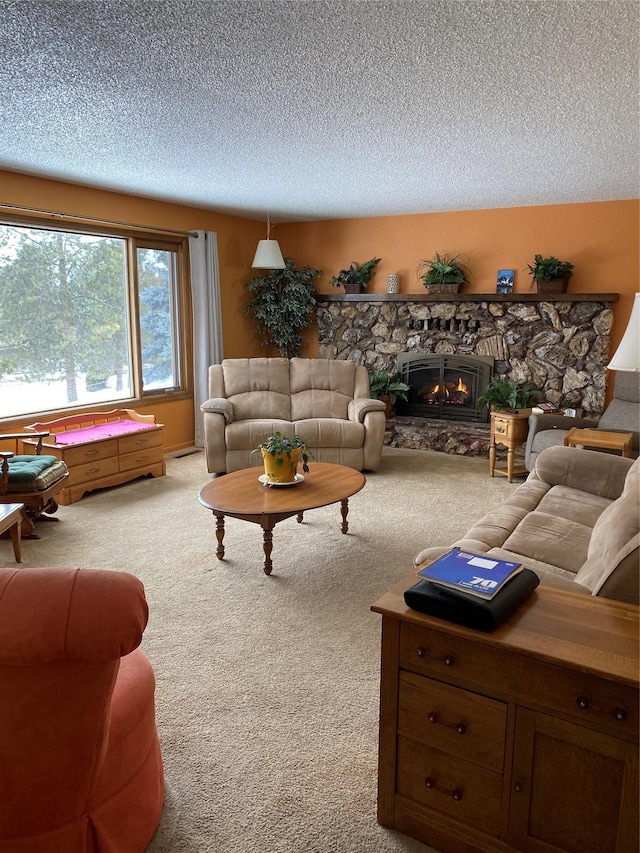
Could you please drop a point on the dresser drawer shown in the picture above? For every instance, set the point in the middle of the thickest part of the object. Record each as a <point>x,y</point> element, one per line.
<point>81,453</point>
<point>583,697</point>
<point>459,789</point>
<point>140,440</point>
<point>91,471</point>
<point>453,720</point>
<point>141,458</point>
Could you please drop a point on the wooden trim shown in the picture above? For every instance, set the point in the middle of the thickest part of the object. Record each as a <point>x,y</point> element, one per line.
<point>467,297</point>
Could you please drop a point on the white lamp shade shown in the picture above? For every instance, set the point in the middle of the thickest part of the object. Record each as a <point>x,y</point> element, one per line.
<point>627,356</point>
<point>268,256</point>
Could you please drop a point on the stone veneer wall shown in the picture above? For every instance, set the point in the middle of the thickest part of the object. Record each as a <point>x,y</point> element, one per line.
<point>558,342</point>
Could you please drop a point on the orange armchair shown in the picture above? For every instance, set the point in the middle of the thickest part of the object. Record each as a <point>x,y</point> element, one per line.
<point>80,762</point>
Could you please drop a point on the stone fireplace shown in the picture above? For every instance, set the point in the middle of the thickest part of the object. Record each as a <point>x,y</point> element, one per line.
<point>560,342</point>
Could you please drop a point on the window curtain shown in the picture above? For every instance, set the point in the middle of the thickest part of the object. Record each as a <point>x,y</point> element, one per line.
<point>207,318</point>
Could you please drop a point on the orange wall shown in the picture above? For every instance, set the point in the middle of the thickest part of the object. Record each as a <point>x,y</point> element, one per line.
<point>601,239</point>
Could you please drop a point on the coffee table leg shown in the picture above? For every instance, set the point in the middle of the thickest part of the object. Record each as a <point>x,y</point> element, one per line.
<point>267,544</point>
<point>300,517</point>
<point>219,534</point>
<point>16,540</point>
<point>344,509</point>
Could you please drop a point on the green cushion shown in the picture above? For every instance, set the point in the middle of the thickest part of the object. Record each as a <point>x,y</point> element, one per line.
<point>22,469</point>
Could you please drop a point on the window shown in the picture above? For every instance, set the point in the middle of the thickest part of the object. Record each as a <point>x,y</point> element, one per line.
<point>86,318</point>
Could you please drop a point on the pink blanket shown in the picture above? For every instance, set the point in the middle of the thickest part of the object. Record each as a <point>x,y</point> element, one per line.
<point>91,433</point>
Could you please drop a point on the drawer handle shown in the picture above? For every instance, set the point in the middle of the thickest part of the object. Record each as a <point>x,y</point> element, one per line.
<point>434,717</point>
<point>449,660</point>
<point>620,714</point>
<point>91,452</point>
<point>583,702</point>
<point>456,793</point>
<point>92,471</point>
<point>141,458</point>
<point>519,787</point>
<point>142,441</point>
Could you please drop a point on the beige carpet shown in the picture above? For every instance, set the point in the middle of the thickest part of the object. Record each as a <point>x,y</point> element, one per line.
<point>267,687</point>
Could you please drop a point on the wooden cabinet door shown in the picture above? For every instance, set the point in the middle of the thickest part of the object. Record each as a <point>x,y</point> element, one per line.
<point>573,789</point>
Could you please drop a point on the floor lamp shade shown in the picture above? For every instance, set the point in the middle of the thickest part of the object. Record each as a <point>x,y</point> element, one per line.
<point>627,356</point>
<point>268,256</point>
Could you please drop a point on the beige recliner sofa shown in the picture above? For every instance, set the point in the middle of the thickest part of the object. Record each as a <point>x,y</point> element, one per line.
<point>574,521</point>
<point>325,402</point>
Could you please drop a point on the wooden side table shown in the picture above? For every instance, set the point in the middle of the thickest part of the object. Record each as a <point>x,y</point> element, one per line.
<point>509,429</point>
<point>600,438</point>
<point>11,520</point>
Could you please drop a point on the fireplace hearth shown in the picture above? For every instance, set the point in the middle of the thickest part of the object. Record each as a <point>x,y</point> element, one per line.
<point>444,387</point>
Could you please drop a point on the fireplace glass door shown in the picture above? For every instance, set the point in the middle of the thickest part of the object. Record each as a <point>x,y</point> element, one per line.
<point>444,387</point>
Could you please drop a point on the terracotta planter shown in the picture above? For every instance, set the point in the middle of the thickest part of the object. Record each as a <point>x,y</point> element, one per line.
<point>281,467</point>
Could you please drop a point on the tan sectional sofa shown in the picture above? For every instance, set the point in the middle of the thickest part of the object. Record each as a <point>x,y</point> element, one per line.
<point>574,521</point>
<point>325,402</point>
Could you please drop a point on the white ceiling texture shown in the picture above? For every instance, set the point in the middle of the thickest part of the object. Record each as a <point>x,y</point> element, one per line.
<point>316,109</point>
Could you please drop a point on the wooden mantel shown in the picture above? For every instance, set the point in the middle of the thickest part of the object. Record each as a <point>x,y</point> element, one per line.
<point>467,297</point>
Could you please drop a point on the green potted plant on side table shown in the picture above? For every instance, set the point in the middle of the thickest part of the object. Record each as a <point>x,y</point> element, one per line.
<point>550,275</point>
<point>443,273</point>
<point>357,277</point>
<point>508,394</point>
<point>387,387</point>
<point>281,455</point>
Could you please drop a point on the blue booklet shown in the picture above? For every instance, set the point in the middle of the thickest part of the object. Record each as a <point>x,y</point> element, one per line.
<point>475,574</point>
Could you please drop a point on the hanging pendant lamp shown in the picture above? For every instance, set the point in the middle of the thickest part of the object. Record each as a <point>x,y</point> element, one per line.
<point>268,255</point>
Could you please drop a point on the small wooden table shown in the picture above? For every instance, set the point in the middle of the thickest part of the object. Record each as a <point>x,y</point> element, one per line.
<point>241,495</point>
<point>11,520</point>
<point>600,438</point>
<point>509,429</point>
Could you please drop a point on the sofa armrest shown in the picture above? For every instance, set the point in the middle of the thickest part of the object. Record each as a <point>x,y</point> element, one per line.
<point>360,406</point>
<point>219,406</point>
<point>588,471</point>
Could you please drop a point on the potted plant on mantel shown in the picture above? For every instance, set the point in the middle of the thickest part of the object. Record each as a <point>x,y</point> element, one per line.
<point>281,455</point>
<point>357,277</point>
<point>443,273</point>
<point>387,387</point>
<point>508,394</point>
<point>550,275</point>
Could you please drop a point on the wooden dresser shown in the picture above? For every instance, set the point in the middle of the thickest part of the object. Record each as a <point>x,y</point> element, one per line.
<point>95,463</point>
<point>522,739</point>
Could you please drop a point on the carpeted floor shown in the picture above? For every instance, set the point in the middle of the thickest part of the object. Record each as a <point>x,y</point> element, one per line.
<point>267,687</point>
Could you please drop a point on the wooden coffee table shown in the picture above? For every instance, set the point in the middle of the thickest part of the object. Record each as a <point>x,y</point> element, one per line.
<point>11,520</point>
<point>242,495</point>
<point>621,441</point>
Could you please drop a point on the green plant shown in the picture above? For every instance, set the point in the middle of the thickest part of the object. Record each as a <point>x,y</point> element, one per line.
<point>360,274</point>
<point>278,444</point>
<point>545,268</point>
<point>384,384</point>
<point>503,393</point>
<point>443,269</point>
<point>283,302</point>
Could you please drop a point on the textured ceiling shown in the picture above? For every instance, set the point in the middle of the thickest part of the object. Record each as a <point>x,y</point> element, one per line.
<point>314,110</point>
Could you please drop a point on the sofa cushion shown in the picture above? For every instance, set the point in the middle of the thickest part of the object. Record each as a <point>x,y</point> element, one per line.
<point>248,434</point>
<point>548,539</point>
<point>321,388</point>
<point>330,432</point>
<point>563,502</point>
<point>258,387</point>
<point>614,544</point>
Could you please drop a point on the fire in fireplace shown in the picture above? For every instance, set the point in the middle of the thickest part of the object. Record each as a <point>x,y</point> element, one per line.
<point>444,387</point>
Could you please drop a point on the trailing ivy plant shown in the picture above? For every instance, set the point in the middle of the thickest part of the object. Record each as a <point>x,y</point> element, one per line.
<point>283,302</point>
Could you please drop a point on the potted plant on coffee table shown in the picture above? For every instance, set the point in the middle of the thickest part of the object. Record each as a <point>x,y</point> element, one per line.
<point>387,387</point>
<point>281,455</point>
<point>357,277</point>
<point>550,275</point>
<point>443,273</point>
<point>508,394</point>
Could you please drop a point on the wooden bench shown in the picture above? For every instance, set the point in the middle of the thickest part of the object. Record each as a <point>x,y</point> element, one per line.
<point>102,449</point>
